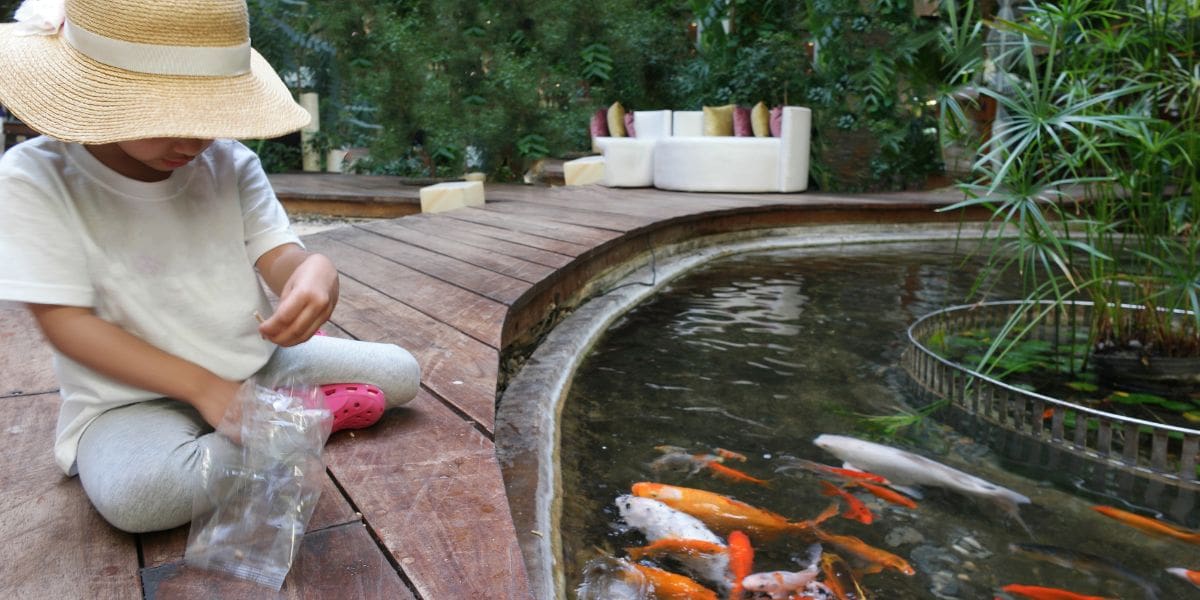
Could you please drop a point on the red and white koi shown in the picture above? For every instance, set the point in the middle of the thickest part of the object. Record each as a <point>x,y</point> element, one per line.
<point>1188,575</point>
<point>780,585</point>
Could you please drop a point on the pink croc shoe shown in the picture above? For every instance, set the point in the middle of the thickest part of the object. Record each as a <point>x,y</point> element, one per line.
<point>353,405</point>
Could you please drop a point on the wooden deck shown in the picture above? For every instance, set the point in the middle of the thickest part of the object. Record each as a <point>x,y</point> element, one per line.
<point>415,506</point>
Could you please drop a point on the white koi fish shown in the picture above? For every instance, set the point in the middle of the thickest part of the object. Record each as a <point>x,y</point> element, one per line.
<point>663,525</point>
<point>905,468</point>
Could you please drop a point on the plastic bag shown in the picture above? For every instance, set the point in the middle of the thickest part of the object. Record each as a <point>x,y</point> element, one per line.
<point>249,517</point>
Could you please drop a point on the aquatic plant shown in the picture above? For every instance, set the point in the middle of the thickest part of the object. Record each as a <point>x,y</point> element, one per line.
<point>1090,172</point>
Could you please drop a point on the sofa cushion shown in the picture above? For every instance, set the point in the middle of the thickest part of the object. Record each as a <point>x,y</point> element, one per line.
<point>776,121</point>
<point>599,124</point>
<point>760,120</point>
<point>718,120</point>
<point>616,120</point>
<point>630,130</point>
<point>741,122</point>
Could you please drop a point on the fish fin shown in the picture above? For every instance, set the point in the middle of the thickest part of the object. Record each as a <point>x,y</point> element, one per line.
<point>909,491</point>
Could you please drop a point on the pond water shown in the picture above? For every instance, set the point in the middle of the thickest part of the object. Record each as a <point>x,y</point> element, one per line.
<point>761,353</point>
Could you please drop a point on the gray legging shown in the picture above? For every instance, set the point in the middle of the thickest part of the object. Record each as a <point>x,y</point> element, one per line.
<point>141,464</point>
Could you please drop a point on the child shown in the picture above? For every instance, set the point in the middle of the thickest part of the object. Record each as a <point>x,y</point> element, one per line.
<point>133,237</point>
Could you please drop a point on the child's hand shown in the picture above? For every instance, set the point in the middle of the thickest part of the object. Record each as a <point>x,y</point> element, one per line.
<point>214,400</point>
<point>305,302</point>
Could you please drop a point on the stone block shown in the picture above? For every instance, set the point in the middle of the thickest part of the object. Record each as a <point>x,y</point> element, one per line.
<point>451,195</point>
<point>584,171</point>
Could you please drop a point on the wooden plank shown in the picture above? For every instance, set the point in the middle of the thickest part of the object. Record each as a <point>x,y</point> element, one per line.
<point>501,231</point>
<point>480,236</point>
<point>485,282</point>
<point>26,363</point>
<point>428,484</point>
<point>469,312</point>
<point>339,562</point>
<point>487,258</point>
<point>456,367</point>
<point>332,509</point>
<point>621,222</point>
<point>653,204</point>
<point>333,186</point>
<point>55,544</point>
<point>585,237</point>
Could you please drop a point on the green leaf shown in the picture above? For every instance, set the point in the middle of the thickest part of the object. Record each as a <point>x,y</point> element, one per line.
<point>1083,386</point>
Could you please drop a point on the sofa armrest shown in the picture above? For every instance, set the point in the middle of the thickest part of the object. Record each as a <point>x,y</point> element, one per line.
<point>794,134</point>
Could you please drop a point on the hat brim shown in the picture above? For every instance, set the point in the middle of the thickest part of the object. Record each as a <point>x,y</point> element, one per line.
<point>60,92</point>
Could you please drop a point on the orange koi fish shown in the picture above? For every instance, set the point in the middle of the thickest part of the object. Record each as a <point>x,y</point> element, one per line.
<point>885,493</point>
<point>877,559</point>
<point>741,562</point>
<point>731,474</point>
<point>671,586</point>
<point>1034,592</point>
<point>675,546</point>
<point>840,579</point>
<point>793,463</point>
<point>1192,577</point>
<point>724,514</point>
<point>855,509</point>
<point>1148,525</point>
<point>730,454</point>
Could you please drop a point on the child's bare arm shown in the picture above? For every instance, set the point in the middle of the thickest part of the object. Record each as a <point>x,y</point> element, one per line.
<point>107,349</point>
<point>307,285</point>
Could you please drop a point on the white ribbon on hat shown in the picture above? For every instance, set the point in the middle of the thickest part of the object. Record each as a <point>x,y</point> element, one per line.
<point>156,59</point>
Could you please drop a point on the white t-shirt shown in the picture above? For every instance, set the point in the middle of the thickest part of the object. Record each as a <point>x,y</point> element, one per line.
<point>171,261</point>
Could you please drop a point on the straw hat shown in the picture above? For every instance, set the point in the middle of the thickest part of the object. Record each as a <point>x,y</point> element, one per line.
<point>100,71</point>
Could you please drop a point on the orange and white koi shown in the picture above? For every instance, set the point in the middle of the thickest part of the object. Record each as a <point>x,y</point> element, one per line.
<point>1148,525</point>
<point>855,509</point>
<point>792,463</point>
<point>1188,575</point>
<point>730,454</point>
<point>780,585</point>
<point>672,586</point>
<point>886,494</point>
<point>724,514</point>
<point>840,579</point>
<point>878,559</point>
<point>741,562</point>
<point>1035,592</point>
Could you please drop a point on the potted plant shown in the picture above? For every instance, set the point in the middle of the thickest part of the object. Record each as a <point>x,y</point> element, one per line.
<point>1091,169</point>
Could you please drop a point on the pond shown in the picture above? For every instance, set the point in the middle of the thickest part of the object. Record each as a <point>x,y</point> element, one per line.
<point>761,353</point>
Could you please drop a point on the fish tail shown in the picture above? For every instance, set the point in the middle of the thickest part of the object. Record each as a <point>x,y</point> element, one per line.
<point>636,553</point>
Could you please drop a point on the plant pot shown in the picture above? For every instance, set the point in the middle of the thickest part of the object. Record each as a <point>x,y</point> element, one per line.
<point>1127,370</point>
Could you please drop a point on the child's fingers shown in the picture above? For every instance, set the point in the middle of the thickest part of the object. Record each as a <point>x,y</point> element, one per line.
<point>280,330</point>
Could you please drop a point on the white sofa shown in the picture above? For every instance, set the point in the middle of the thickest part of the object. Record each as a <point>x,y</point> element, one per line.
<point>671,152</point>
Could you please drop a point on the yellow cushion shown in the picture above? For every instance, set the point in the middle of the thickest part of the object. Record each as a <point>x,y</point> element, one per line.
<point>616,120</point>
<point>718,120</point>
<point>760,120</point>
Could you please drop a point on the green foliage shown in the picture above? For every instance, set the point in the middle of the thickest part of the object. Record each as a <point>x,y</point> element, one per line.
<point>1094,101</point>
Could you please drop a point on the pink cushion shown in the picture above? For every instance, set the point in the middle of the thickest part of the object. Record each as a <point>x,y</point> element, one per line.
<point>629,125</point>
<point>741,122</point>
<point>599,125</point>
<point>776,121</point>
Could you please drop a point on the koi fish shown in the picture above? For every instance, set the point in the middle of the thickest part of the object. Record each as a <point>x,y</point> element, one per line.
<point>730,454</point>
<point>791,463</point>
<point>731,474</point>
<point>685,537</point>
<point>676,547</point>
<point>855,509</point>
<point>724,514</point>
<point>840,579</point>
<point>906,468</point>
<point>877,558</point>
<point>678,462</point>
<point>1192,577</point>
<point>1148,525</point>
<point>780,585</point>
<point>1035,592</point>
<point>741,562</point>
<point>1088,563</point>
<point>885,494</point>
<point>672,586</point>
